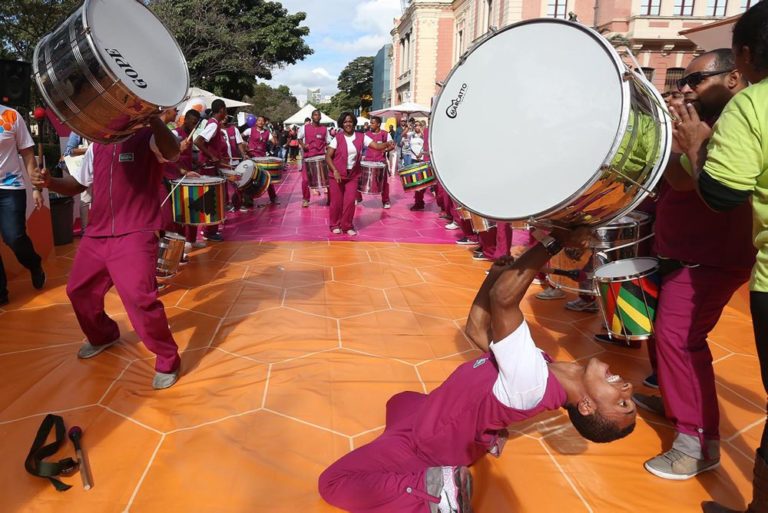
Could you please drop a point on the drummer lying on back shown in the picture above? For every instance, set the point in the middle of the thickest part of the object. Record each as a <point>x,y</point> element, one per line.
<point>419,462</point>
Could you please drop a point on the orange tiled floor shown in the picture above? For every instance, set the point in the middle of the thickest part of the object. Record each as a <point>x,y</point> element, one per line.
<point>291,351</point>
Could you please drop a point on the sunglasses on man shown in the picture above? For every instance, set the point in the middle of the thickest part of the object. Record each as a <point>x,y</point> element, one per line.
<point>693,80</point>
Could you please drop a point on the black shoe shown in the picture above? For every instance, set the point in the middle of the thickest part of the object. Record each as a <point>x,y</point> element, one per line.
<point>414,208</point>
<point>38,278</point>
<point>214,237</point>
<point>651,381</point>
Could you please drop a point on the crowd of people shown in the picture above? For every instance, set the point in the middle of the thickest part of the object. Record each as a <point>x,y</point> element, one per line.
<point>711,237</point>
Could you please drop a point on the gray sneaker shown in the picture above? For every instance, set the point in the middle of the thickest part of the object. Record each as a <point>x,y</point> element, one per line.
<point>88,350</point>
<point>165,379</point>
<point>651,403</point>
<point>678,466</point>
<point>453,485</point>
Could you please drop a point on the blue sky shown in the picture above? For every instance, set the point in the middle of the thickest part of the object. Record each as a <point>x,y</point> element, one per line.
<point>340,30</point>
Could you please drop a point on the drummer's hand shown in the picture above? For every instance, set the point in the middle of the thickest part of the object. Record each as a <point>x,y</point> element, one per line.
<point>37,197</point>
<point>40,178</point>
<point>192,174</point>
<point>573,238</point>
<point>689,131</point>
<point>184,145</point>
<point>337,176</point>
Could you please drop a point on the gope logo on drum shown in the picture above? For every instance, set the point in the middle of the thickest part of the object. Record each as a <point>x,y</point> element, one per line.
<point>453,109</point>
<point>126,67</point>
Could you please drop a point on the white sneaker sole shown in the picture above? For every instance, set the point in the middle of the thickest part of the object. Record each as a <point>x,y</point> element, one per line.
<point>678,477</point>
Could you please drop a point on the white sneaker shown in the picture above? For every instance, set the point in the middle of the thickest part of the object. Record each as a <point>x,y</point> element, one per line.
<point>451,226</point>
<point>550,293</point>
<point>580,305</point>
<point>351,233</point>
<point>199,244</point>
<point>336,231</point>
<point>187,247</point>
<point>387,206</point>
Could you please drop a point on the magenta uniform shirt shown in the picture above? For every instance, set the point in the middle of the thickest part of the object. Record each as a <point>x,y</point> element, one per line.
<point>315,138</point>
<point>687,230</point>
<point>374,155</point>
<point>257,143</point>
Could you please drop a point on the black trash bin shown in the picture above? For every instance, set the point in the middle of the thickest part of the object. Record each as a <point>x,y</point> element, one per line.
<point>62,212</point>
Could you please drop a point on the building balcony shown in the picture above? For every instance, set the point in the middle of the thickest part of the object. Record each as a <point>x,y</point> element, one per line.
<point>663,28</point>
<point>403,79</point>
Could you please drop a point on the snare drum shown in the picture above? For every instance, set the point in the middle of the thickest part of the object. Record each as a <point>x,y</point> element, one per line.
<point>417,176</point>
<point>241,175</point>
<point>109,67</point>
<point>372,178</point>
<point>317,172</point>
<point>613,134</point>
<point>629,293</point>
<point>198,201</point>
<point>274,166</point>
<point>170,251</point>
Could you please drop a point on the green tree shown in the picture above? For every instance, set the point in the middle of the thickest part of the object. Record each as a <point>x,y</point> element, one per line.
<point>356,81</point>
<point>229,43</point>
<point>340,102</point>
<point>275,103</point>
<point>24,22</point>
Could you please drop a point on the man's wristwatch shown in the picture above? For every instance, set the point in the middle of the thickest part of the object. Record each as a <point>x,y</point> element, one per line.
<point>551,244</point>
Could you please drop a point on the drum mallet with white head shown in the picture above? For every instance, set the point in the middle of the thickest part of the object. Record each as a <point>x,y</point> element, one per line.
<point>75,434</point>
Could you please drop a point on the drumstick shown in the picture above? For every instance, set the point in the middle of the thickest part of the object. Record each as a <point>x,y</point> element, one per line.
<point>575,275</point>
<point>175,186</point>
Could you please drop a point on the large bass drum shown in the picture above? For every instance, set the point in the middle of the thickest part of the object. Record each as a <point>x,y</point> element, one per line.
<point>585,139</point>
<point>108,67</point>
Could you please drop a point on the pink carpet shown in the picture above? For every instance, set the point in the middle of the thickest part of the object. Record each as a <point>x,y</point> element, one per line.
<point>289,222</point>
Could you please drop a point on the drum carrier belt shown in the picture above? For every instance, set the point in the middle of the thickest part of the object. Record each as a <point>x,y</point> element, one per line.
<point>34,462</point>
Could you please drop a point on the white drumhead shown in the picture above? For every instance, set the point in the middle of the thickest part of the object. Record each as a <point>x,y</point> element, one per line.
<point>174,236</point>
<point>368,163</point>
<point>245,167</point>
<point>139,50</point>
<point>625,268</point>
<point>202,180</point>
<point>528,119</point>
<point>318,158</point>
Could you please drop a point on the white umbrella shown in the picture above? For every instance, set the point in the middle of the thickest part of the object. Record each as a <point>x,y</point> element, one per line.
<point>416,109</point>
<point>713,35</point>
<point>361,120</point>
<point>196,92</point>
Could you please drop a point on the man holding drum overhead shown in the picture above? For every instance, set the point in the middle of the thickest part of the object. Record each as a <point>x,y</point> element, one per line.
<point>120,247</point>
<point>419,464</point>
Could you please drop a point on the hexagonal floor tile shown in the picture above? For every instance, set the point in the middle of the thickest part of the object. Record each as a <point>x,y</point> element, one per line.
<point>54,379</point>
<point>261,254</point>
<point>336,299</point>
<point>454,275</point>
<point>338,390</point>
<point>376,275</point>
<point>225,384</point>
<point>255,298</point>
<point>333,255</point>
<point>286,275</point>
<point>278,462</point>
<point>403,335</point>
<point>23,329</point>
<point>405,257</point>
<point>118,452</point>
<point>215,299</point>
<point>277,335</point>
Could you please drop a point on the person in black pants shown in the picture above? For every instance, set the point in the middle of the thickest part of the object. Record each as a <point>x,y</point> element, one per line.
<point>15,142</point>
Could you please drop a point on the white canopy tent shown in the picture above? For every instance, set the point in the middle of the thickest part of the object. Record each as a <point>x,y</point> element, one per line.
<point>196,92</point>
<point>713,35</point>
<point>361,120</point>
<point>306,112</point>
<point>414,109</point>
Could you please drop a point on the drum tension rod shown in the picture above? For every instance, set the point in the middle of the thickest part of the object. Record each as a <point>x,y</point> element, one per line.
<point>610,169</point>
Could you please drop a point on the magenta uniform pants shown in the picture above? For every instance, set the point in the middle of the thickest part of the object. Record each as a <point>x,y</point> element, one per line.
<point>342,197</point>
<point>497,241</point>
<point>386,475</point>
<point>128,262</point>
<point>304,180</point>
<point>690,303</point>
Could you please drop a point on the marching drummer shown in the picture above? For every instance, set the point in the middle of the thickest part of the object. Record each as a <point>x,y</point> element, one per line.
<point>313,138</point>
<point>120,247</point>
<point>213,151</point>
<point>257,147</point>
<point>343,158</point>
<point>376,134</point>
<point>236,152</point>
<point>185,166</point>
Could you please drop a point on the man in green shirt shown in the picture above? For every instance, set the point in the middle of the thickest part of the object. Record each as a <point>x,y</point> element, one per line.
<point>733,168</point>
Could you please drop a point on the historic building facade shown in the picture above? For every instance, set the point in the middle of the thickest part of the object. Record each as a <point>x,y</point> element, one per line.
<point>431,35</point>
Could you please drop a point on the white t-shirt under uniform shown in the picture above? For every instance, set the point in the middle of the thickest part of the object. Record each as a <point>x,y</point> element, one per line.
<point>14,137</point>
<point>351,150</point>
<point>523,371</point>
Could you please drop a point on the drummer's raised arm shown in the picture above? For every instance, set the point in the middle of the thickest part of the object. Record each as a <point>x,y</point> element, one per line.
<point>166,142</point>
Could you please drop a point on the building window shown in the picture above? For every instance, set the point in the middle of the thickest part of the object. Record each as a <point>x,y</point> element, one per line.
<point>673,75</point>
<point>649,72</point>
<point>716,7</point>
<point>746,4</point>
<point>683,8</point>
<point>557,8</point>
<point>650,8</point>
<point>459,43</point>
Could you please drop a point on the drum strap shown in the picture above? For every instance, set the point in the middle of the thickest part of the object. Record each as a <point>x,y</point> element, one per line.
<point>35,464</point>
